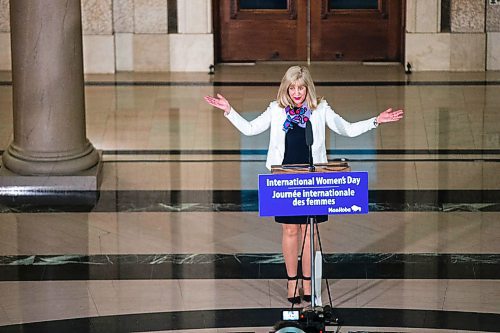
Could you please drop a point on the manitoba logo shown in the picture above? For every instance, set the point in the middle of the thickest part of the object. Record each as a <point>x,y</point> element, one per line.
<point>355,208</point>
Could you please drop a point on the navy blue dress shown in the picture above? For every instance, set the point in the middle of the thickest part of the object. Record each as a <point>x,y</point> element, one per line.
<point>297,152</point>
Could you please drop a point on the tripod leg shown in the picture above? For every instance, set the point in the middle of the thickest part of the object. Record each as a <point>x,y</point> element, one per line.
<point>318,259</point>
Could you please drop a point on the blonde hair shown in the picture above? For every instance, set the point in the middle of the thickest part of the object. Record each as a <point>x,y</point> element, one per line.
<point>297,75</point>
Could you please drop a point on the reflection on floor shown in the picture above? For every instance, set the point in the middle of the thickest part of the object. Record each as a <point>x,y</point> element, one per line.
<point>173,242</point>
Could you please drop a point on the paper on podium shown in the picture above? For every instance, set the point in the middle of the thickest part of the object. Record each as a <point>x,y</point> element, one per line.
<point>304,168</point>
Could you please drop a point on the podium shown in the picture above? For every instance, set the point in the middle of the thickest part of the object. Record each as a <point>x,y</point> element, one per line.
<point>315,260</point>
<point>306,190</point>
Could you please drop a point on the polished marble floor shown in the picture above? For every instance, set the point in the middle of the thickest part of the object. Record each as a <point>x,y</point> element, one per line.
<point>173,242</point>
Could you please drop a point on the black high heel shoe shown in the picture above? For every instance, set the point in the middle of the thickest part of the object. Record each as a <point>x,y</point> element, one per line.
<point>307,298</point>
<point>294,299</point>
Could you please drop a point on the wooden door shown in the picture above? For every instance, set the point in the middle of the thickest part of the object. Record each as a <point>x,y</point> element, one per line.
<point>261,30</point>
<point>356,30</point>
<point>349,30</point>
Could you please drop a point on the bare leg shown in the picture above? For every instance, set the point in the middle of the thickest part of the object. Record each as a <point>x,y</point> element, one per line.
<point>290,246</point>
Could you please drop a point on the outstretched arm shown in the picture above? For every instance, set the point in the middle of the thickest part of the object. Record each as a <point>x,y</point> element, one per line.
<point>343,127</point>
<point>219,102</point>
<point>390,115</point>
<point>254,127</point>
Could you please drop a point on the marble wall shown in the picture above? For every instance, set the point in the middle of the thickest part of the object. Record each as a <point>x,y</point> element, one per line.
<point>123,16</point>
<point>98,41</point>
<point>140,36</point>
<point>493,18</point>
<point>422,16</point>
<point>5,57</point>
<point>468,42</point>
<point>467,16</point>
<point>133,35</point>
<point>4,16</point>
<point>493,37</point>
<point>493,45</point>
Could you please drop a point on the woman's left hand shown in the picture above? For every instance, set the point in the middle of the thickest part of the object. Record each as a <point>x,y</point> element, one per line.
<point>389,116</point>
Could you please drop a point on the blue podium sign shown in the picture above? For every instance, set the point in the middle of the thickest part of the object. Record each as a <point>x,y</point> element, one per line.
<point>313,194</point>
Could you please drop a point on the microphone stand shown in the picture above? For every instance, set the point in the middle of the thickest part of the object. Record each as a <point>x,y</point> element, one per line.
<point>327,311</point>
<point>312,168</point>
<point>318,316</point>
<point>312,219</point>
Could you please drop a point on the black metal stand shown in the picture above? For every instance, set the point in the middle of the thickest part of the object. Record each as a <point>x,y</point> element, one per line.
<point>315,318</point>
<point>312,221</point>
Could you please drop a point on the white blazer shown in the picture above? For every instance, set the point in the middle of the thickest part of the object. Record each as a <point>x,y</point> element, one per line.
<point>275,116</point>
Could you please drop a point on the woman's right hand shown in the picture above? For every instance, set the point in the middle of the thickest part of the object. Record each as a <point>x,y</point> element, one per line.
<point>219,102</point>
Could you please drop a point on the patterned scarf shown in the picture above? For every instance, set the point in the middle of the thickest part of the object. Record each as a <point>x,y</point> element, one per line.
<point>296,115</point>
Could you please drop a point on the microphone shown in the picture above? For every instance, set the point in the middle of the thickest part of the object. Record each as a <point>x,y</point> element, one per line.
<point>309,143</point>
<point>309,134</point>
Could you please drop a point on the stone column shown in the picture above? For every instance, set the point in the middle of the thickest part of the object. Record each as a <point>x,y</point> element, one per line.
<point>48,91</point>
